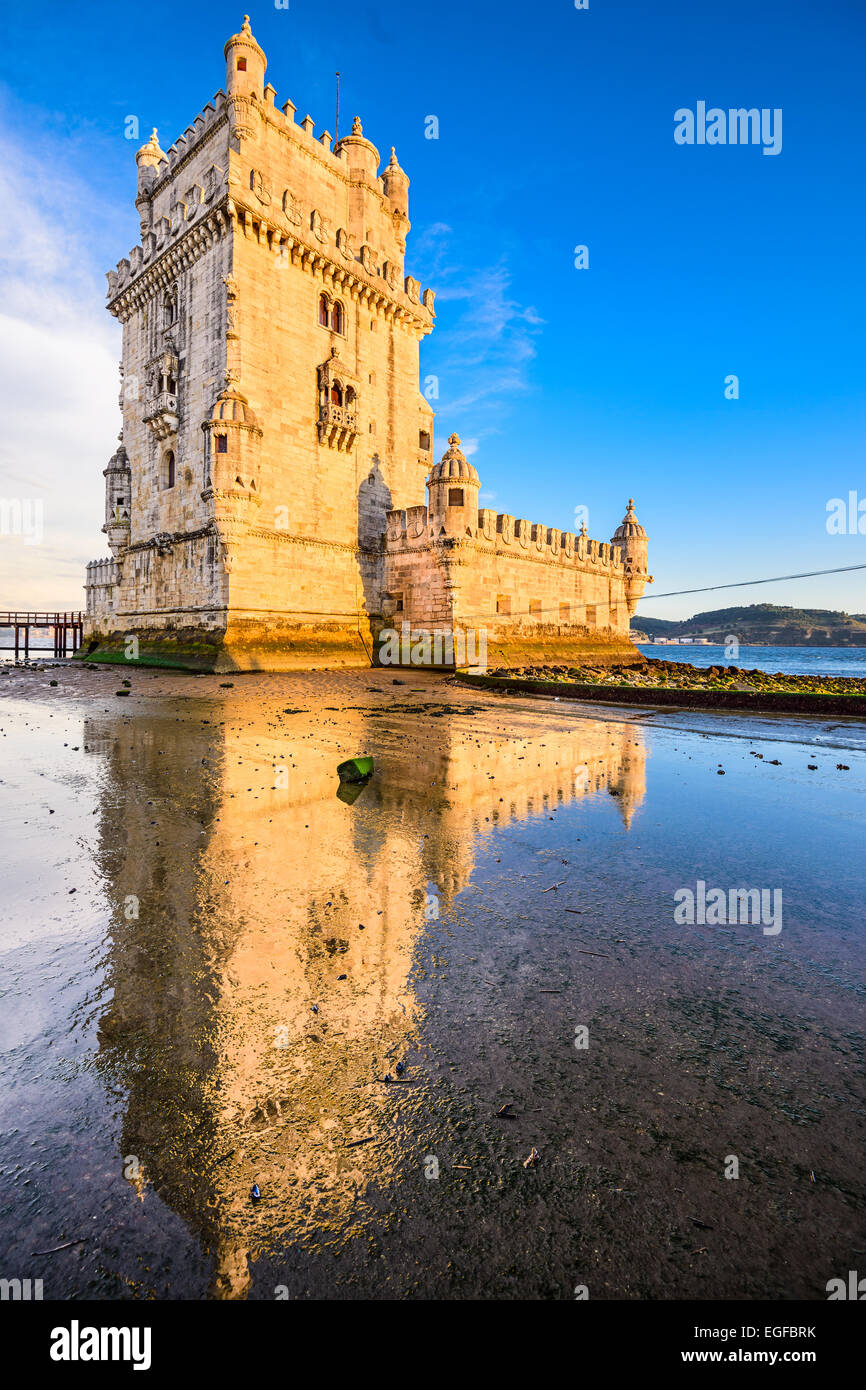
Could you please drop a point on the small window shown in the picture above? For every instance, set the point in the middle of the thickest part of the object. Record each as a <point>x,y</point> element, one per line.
<point>535,608</point>
<point>398,606</point>
<point>565,612</point>
<point>336,394</point>
<point>503,604</point>
<point>323,310</point>
<point>337,317</point>
<point>242,65</point>
<point>424,441</point>
<point>590,615</point>
<point>455,497</point>
<point>222,443</point>
<point>350,396</point>
<point>168,470</point>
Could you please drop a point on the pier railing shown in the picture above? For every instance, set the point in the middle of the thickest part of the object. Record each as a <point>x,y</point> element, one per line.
<point>67,627</point>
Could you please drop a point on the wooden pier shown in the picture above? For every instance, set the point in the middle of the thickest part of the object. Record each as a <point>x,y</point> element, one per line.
<point>66,627</point>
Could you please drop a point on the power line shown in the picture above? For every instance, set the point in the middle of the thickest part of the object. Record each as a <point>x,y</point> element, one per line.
<point>743,583</point>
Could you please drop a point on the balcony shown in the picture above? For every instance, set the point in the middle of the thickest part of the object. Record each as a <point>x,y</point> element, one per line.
<point>337,425</point>
<point>161,414</point>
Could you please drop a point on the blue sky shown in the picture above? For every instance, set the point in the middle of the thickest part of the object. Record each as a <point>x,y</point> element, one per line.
<point>571,387</point>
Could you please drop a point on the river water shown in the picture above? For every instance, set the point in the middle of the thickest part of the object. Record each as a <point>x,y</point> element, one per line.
<point>211,962</point>
<point>798,661</point>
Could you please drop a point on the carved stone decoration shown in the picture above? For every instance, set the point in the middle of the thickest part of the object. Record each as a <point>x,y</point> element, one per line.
<point>368,259</point>
<point>232,311</point>
<point>319,226</point>
<point>292,208</point>
<point>259,188</point>
<point>413,289</point>
<point>391,273</point>
<point>214,182</point>
<point>163,543</point>
<point>345,244</point>
<point>194,199</point>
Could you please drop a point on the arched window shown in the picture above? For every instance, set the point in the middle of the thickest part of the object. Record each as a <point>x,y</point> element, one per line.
<point>168,470</point>
<point>336,394</point>
<point>242,65</point>
<point>170,308</point>
<point>323,310</point>
<point>337,317</point>
<point>350,397</point>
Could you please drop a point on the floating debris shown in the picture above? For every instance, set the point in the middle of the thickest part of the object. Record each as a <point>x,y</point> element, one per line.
<point>355,769</point>
<point>533,1158</point>
<point>68,1246</point>
<point>255,1194</point>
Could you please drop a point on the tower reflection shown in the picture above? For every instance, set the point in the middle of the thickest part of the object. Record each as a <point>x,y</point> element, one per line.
<point>264,935</point>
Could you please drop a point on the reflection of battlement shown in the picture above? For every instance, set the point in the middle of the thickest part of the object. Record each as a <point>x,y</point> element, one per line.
<point>265,933</point>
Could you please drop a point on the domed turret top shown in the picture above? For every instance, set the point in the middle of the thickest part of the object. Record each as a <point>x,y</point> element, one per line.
<point>629,526</point>
<point>231,405</point>
<point>454,464</point>
<point>150,151</point>
<point>245,38</point>
<point>362,148</point>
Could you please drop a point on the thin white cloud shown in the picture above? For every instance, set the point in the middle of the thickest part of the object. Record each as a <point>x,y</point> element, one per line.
<point>58,358</point>
<point>486,339</point>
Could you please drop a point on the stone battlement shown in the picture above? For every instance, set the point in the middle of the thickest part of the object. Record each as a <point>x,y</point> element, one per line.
<point>412,527</point>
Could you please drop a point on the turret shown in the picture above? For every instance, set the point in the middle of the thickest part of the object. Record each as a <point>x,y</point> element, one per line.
<point>118,485</point>
<point>453,487</point>
<point>245,79</point>
<point>233,485</point>
<point>148,159</point>
<point>245,64</point>
<point>396,185</point>
<point>360,154</point>
<point>632,541</point>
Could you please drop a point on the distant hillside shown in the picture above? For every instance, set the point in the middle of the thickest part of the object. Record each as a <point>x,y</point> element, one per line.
<point>764,625</point>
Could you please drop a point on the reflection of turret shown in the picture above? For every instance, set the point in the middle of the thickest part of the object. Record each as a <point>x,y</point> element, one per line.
<point>265,934</point>
<point>629,785</point>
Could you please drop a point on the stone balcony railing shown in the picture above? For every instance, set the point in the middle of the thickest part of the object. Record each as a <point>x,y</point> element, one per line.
<point>338,415</point>
<point>337,426</point>
<point>160,412</point>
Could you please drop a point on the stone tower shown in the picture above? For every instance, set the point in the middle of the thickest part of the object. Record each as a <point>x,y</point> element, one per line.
<point>271,409</point>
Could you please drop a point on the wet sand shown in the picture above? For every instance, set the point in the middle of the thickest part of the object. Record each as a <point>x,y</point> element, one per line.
<point>245,957</point>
